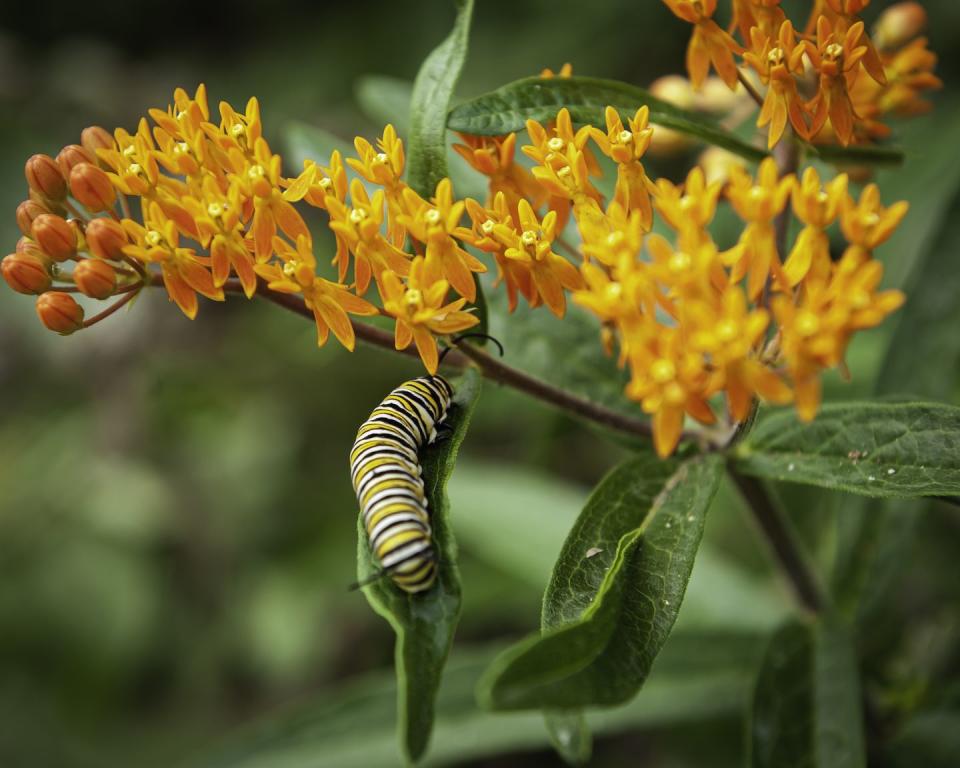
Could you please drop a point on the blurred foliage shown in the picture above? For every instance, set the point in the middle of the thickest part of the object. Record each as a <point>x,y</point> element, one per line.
<point>177,527</point>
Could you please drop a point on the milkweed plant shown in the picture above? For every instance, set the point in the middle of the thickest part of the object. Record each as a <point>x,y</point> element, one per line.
<point>720,343</point>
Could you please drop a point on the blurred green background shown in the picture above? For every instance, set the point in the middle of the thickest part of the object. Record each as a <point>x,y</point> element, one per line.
<point>177,527</point>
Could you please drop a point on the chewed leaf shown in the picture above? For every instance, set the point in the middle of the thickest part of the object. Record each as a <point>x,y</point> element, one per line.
<point>606,617</point>
<point>508,108</point>
<point>425,622</point>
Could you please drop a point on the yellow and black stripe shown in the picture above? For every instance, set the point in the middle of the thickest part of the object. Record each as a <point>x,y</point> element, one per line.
<point>386,473</point>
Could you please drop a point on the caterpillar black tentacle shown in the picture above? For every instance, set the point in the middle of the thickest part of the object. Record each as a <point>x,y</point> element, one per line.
<point>386,474</point>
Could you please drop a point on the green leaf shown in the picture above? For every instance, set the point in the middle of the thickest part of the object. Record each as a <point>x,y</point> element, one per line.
<point>806,704</point>
<point>615,592</point>
<point>895,450</point>
<point>432,91</point>
<point>307,142</point>
<point>425,622</point>
<point>696,678</point>
<point>533,98</point>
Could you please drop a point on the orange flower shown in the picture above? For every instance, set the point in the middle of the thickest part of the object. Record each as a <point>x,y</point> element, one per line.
<point>494,157</point>
<point>434,224</point>
<point>532,248</point>
<point>817,207</point>
<point>358,231</point>
<point>758,204</point>
<point>778,62</point>
<point>836,58</point>
<point>331,303</point>
<point>184,272</point>
<point>261,182</point>
<point>709,44</point>
<point>766,15</point>
<point>483,235</point>
<point>668,380</point>
<point>420,312</point>
<point>626,147</point>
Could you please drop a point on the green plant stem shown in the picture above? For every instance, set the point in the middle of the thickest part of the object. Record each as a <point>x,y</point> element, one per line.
<point>491,368</point>
<point>783,541</point>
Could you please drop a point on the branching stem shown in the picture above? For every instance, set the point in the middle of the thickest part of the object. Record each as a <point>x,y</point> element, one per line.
<point>785,546</point>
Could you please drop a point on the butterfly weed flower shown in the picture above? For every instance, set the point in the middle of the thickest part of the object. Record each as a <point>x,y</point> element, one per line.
<point>201,206</point>
<point>420,312</point>
<point>709,44</point>
<point>433,224</point>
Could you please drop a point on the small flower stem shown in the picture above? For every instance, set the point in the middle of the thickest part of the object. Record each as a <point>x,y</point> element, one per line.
<point>748,87</point>
<point>783,542</point>
<point>124,205</point>
<point>489,366</point>
<point>130,292</point>
<point>787,156</point>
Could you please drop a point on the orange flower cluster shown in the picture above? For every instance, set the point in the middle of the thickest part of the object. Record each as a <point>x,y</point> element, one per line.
<point>203,207</point>
<point>691,321</point>
<point>830,79</point>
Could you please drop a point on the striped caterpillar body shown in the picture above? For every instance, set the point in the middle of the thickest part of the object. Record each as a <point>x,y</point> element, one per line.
<point>386,473</point>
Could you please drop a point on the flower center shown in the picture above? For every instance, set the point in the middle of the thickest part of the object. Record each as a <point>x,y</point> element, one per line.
<point>624,137</point>
<point>680,262</point>
<point>153,238</point>
<point>807,323</point>
<point>556,144</point>
<point>663,371</point>
<point>432,216</point>
<point>382,158</point>
<point>529,237</point>
<point>487,227</point>
<point>357,215</point>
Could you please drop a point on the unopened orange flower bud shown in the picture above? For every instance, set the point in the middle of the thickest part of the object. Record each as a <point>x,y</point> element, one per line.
<point>45,177</point>
<point>71,156</point>
<point>26,273</point>
<point>106,239</point>
<point>27,211</point>
<point>90,186</point>
<point>675,90</point>
<point>55,236</point>
<point>60,312</point>
<point>28,247</point>
<point>95,278</point>
<point>717,97</point>
<point>899,24</point>
<point>94,138</point>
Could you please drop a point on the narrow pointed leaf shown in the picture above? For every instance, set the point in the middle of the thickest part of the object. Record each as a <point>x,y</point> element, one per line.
<point>425,622</point>
<point>429,102</point>
<point>896,450</point>
<point>615,592</point>
<point>806,705</point>
<point>432,91</point>
<point>508,108</point>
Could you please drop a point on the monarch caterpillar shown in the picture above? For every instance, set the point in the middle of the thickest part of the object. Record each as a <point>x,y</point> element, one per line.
<point>386,474</point>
